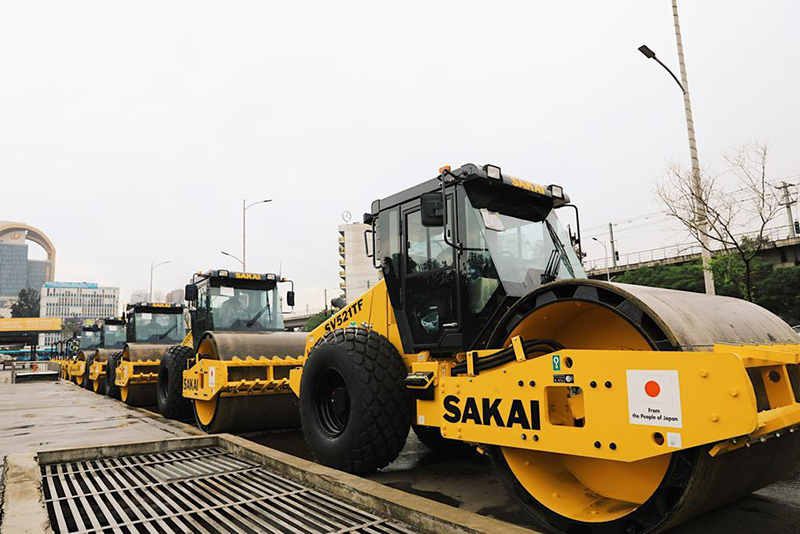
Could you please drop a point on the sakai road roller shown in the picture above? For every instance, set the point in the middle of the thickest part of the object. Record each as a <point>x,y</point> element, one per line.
<point>75,365</point>
<point>150,329</point>
<point>236,318</point>
<point>605,408</point>
<point>112,339</point>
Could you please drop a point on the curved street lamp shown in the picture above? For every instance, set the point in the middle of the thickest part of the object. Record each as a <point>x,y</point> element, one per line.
<point>244,228</point>
<point>152,267</point>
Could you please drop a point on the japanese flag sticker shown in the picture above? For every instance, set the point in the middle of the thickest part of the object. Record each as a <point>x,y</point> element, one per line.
<point>654,398</point>
<point>212,377</point>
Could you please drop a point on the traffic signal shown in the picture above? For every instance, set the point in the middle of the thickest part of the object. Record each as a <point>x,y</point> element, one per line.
<point>616,252</point>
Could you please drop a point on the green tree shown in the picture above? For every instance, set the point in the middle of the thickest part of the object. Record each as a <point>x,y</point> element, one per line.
<point>27,304</point>
<point>314,321</point>
<point>779,292</point>
<point>736,278</point>
<point>686,277</point>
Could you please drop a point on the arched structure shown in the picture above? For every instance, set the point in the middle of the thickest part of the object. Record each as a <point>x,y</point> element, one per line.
<point>38,237</point>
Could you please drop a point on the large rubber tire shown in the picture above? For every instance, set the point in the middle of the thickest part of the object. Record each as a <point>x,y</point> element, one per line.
<point>363,436</point>
<point>112,390</point>
<point>171,402</point>
<point>87,384</point>
<point>431,437</point>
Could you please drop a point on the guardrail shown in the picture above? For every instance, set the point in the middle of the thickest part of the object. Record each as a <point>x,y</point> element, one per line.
<point>778,233</point>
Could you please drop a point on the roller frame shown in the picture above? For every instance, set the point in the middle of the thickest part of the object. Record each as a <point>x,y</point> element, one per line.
<point>97,370</point>
<point>197,383</point>
<point>718,400</point>
<point>125,373</point>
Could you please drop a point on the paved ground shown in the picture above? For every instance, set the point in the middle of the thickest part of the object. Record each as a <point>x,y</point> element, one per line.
<point>469,483</point>
<point>43,416</point>
<point>51,415</point>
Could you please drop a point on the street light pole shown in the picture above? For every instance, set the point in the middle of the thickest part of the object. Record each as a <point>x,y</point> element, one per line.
<point>234,257</point>
<point>244,229</point>
<point>152,267</point>
<point>605,258</point>
<point>700,209</point>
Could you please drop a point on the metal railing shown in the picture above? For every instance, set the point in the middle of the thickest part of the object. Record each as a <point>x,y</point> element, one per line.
<point>676,251</point>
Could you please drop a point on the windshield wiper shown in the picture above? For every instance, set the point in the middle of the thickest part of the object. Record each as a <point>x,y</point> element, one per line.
<point>560,247</point>
<point>551,270</point>
<point>252,321</point>
<point>162,336</point>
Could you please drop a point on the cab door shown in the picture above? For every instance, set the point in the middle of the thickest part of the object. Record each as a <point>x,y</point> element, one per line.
<point>430,283</point>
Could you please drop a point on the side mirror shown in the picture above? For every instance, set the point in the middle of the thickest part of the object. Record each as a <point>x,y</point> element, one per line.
<point>432,210</point>
<point>338,303</point>
<point>290,298</point>
<point>190,292</point>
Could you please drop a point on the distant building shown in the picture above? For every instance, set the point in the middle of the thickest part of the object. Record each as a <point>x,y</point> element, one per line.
<point>17,272</point>
<point>175,296</point>
<point>355,268</point>
<point>76,300</point>
<point>139,295</point>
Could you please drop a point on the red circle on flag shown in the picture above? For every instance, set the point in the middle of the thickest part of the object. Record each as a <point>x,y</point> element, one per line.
<point>652,388</point>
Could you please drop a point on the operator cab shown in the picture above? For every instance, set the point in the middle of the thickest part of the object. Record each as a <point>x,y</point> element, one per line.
<point>113,333</point>
<point>154,322</point>
<point>229,301</point>
<point>91,337</point>
<point>458,250</point>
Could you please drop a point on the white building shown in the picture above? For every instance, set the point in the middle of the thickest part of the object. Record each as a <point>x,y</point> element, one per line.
<point>355,268</point>
<point>76,300</point>
<point>175,296</point>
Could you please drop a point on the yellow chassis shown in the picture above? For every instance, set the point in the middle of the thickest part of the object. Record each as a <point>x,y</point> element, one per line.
<point>76,368</point>
<point>147,372</point>
<point>207,378</point>
<point>716,395</point>
<point>97,371</point>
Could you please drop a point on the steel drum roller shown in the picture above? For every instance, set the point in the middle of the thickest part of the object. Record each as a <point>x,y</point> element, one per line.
<point>250,412</point>
<point>584,495</point>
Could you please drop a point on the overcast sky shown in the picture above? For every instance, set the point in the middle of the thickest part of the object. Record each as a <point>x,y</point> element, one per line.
<point>131,131</point>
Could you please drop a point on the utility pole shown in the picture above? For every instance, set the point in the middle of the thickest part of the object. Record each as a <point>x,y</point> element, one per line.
<point>326,302</point>
<point>700,209</point>
<point>788,201</point>
<point>605,258</point>
<point>613,247</point>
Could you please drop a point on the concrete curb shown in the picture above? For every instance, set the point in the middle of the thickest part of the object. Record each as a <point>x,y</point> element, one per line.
<point>423,515</point>
<point>23,503</point>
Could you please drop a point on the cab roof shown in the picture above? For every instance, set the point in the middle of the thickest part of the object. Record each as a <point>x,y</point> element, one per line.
<point>225,277</point>
<point>500,182</point>
<point>154,307</point>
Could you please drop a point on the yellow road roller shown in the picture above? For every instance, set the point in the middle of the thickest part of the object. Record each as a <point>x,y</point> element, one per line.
<point>151,328</point>
<point>605,408</point>
<point>90,340</point>
<point>237,324</point>
<point>112,339</point>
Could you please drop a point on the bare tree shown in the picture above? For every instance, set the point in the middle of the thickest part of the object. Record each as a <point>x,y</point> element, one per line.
<point>739,205</point>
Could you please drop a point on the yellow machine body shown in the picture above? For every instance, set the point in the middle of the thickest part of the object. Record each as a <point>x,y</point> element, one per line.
<point>238,377</point>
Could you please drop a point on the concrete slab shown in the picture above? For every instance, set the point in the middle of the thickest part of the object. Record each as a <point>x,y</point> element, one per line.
<point>21,377</point>
<point>47,415</point>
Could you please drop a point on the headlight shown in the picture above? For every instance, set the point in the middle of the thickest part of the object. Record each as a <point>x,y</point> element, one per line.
<point>557,191</point>
<point>271,277</point>
<point>493,172</point>
<point>223,272</point>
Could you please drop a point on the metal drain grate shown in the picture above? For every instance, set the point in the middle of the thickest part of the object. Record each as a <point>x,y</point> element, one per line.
<point>203,490</point>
